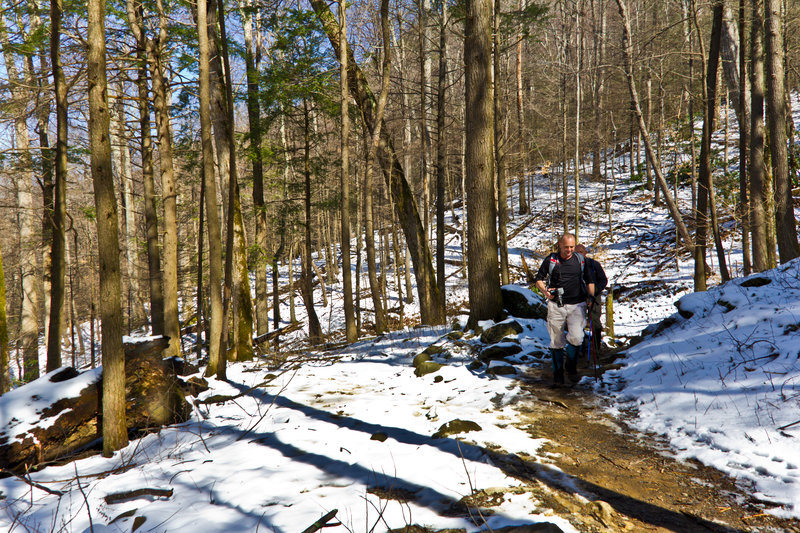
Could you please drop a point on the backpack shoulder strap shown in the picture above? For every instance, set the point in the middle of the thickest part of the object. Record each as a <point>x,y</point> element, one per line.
<point>582,261</point>
<point>553,264</point>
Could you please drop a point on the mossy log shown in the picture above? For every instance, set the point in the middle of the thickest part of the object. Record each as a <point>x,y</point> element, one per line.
<point>155,397</point>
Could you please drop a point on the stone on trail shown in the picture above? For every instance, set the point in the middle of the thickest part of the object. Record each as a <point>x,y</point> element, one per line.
<point>499,331</point>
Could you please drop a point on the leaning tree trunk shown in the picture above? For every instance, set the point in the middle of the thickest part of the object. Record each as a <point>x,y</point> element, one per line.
<point>115,430</point>
<point>404,203</point>
<point>671,204</point>
<point>484,276</point>
<point>785,224</point>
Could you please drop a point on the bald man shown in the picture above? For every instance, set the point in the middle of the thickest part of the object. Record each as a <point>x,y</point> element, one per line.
<point>568,287</point>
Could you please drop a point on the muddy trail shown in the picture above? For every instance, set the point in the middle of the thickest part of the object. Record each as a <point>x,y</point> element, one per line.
<point>605,476</point>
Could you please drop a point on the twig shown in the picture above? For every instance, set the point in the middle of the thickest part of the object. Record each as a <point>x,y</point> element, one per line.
<point>119,497</point>
<point>31,483</point>
<point>790,425</point>
<point>322,522</point>
<point>85,498</point>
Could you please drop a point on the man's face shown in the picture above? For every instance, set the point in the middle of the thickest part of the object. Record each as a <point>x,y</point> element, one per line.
<point>565,247</point>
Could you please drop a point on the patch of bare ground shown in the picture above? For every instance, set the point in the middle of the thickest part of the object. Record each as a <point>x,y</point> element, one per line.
<point>604,476</point>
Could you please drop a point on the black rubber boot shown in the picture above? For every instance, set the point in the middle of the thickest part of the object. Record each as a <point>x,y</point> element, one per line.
<point>572,362</point>
<point>558,366</point>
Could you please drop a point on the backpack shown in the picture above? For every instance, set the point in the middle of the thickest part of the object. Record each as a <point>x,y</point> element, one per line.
<point>554,263</point>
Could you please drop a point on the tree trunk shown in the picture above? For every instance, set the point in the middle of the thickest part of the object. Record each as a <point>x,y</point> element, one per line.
<point>212,209</point>
<point>578,97</point>
<point>351,330</point>
<point>169,194</point>
<point>57,252</point>
<point>115,430</point>
<point>706,190</point>
<point>484,277</point>
<point>29,312</point>
<point>524,208</point>
<point>404,202</point>
<point>499,159</point>
<point>372,149</point>
<point>743,117</point>
<point>120,151</point>
<point>441,160</point>
<point>135,19</point>
<point>424,134</point>
<point>785,224</point>
<point>758,209</point>
<point>252,56</point>
<point>242,303</point>
<point>307,285</point>
<point>5,376</point>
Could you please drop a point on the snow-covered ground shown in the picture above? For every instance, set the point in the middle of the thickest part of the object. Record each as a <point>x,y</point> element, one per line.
<point>354,429</point>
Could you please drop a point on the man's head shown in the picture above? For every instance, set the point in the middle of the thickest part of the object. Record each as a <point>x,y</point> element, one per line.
<point>566,245</point>
<point>581,249</point>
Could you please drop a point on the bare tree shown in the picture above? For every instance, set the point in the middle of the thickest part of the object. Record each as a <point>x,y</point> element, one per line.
<point>212,209</point>
<point>115,431</point>
<point>351,331</point>
<point>785,224</point>
<point>758,205</point>
<point>484,276</point>
<point>58,248</point>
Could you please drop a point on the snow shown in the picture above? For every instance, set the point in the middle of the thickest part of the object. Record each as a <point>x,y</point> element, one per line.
<point>353,429</point>
<point>721,384</point>
<point>22,407</point>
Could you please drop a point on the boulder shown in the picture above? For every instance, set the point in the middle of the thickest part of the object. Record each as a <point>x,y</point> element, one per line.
<point>499,331</point>
<point>498,352</point>
<point>523,303</point>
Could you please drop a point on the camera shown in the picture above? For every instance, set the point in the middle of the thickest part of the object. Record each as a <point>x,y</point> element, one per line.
<point>558,294</point>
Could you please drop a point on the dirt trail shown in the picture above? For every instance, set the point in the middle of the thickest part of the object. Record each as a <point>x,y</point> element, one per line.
<point>635,483</point>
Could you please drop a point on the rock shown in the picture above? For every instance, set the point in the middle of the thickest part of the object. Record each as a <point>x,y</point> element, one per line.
<point>433,349</point>
<point>499,331</point>
<point>523,303</point>
<point>498,352</point>
<point>455,335</point>
<point>420,358</point>
<point>501,370</point>
<point>379,436</point>
<point>757,281</point>
<point>426,367</point>
<point>456,426</point>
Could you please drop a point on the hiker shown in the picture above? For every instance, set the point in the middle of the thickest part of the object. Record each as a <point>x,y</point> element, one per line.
<point>592,344</point>
<point>568,288</point>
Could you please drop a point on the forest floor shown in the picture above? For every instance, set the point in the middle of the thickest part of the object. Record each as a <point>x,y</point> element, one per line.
<point>638,484</point>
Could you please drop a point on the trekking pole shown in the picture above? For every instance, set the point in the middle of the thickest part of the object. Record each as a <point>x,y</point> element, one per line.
<point>592,349</point>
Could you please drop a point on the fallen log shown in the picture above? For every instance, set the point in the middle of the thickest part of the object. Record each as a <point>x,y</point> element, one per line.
<point>59,414</point>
